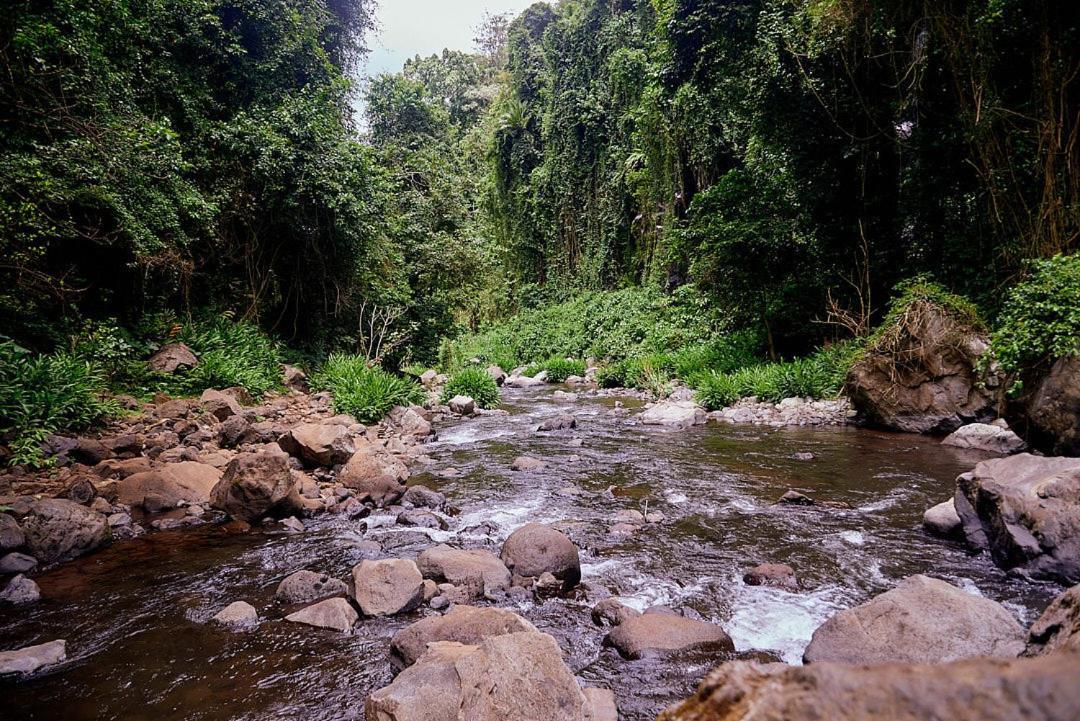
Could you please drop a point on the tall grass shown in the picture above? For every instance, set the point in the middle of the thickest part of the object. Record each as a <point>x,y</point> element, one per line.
<point>475,383</point>
<point>364,392</point>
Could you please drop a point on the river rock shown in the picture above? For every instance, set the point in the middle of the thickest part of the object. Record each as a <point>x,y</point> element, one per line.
<point>462,405</point>
<point>220,405</point>
<point>172,358</point>
<point>15,562</point>
<point>308,586</point>
<point>612,612</point>
<point>511,677</point>
<point>463,624</point>
<point>91,451</point>
<point>652,633</point>
<point>253,484</point>
<point>1058,628</point>
<point>294,378</point>
<point>497,374</point>
<point>427,378</point>
<point>387,587</point>
<point>59,530</point>
<point>527,463</point>
<point>318,444</point>
<point>558,423</point>
<point>27,660</point>
<point>776,575</point>
<point>1026,510</point>
<point>601,704</point>
<point>1046,413</point>
<point>674,413</point>
<point>238,614</point>
<point>983,689</point>
<point>166,487</point>
<point>20,590</point>
<point>985,437</point>
<point>334,613</point>
<point>420,518</point>
<point>374,474</point>
<point>423,497</point>
<point>922,620</point>
<point>410,421</point>
<point>522,382</point>
<point>536,548</point>
<point>472,569</point>
<point>11,536</point>
<point>942,519</point>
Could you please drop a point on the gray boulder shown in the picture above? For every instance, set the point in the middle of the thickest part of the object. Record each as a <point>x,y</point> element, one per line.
<point>462,405</point>
<point>1047,411</point>
<point>1058,628</point>
<point>535,549</point>
<point>478,570</point>
<point>657,633</point>
<point>463,624</point>
<point>27,660</point>
<point>308,586</point>
<point>20,590</point>
<point>942,519</point>
<point>922,620</point>
<point>387,587</point>
<point>1025,510</point>
<point>238,614</point>
<point>11,536</point>
<point>679,414</point>
<point>59,530</point>
<point>985,437</point>
<point>333,613</point>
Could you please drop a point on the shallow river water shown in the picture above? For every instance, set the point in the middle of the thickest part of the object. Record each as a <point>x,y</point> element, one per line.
<point>134,615</point>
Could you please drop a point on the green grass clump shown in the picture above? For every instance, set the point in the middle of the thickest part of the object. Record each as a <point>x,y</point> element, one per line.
<point>231,353</point>
<point>43,394</point>
<point>558,369</point>
<point>818,376</point>
<point>1040,321</point>
<point>475,383</point>
<point>367,393</point>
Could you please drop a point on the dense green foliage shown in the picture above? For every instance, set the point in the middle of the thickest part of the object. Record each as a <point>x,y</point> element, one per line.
<point>475,383</point>
<point>363,391</point>
<point>1041,318</point>
<point>41,394</point>
<point>818,376</point>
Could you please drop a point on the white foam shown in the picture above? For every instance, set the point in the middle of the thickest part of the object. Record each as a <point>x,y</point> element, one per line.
<point>855,538</point>
<point>675,497</point>
<point>776,620</point>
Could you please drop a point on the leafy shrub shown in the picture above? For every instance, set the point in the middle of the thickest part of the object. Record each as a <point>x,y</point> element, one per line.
<point>1040,321</point>
<point>231,353</point>
<point>367,393</point>
<point>475,383</point>
<point>40,395</point>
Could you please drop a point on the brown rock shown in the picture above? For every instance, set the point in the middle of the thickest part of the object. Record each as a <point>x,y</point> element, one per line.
<point>476,569</point>
<point>1047,412</point>
<point>307,586</point>
<point>294,378</point>
<point>165,487</point>
<point>652,633</point>
<point>512,677</point>
<point>387,587</point>
<point>91,451</point>
<point>238,614</point>
<point>11,536</point>
<point>463,624</point>
<point>981,690</point>
<point>59,530</point>
<point>172,358</point>
<point>527,463</point>
<point>536,548</point>
<point>1058,628</point>
<point>374,474</point>
<point>252,485</point>
<point>122,468</point>
<point>612,612</point>
<point>777,575</point>
<point>220,405</point>
<point>1026,510</point>
<point>319,444</point>
<point>334,613</point>
<point>922,620</point>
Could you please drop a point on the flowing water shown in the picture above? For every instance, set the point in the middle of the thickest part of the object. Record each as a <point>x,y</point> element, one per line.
<point>134,614</point>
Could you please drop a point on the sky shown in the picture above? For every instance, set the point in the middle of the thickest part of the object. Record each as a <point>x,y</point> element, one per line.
<point>424,27</point>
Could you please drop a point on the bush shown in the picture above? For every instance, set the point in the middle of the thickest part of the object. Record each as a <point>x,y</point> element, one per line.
<point>475,383</point>
<point>1040,321</point>
<point>558,369</point>
<point>231,353</point>
<point>40,395</point>
<point>364,392</point>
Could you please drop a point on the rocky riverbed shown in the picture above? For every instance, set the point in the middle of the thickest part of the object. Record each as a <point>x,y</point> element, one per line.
<point>215,560</point>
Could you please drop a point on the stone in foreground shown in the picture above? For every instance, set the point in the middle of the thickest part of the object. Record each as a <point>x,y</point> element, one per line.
<point>1058,628</point>
<point>253,484</point>
<point>513,677</point>
<point>59,530</point>
<point>238,614</point>
<point>28,660</point>
<point>387,587</point>
<point>333,613</point>
<point>1043,689</point>
<point>536,549</point>
<point>464,624</point>
<point>1025,510</point>
<point>923,620</point>
<point>653,633</point>
<point>20,590</point>
<point>942,519</point>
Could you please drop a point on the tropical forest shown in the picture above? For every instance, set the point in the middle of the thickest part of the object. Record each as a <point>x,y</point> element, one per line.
<point>578,360</point>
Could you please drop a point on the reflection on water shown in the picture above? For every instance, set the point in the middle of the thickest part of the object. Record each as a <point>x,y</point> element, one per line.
<point>134,614</point>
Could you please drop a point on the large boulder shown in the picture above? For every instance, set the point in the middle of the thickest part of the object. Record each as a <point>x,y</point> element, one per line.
<point>983,689</point>
<point>922,375</point>
<point>536,549</point>
<point>374,474</point>
<point>387,587</point>
<point>410,421</point>
<point>319,444</point>
<point>29,659</point>
<point>463,624</point>
<point>59,530</point>
<point>172,358</point>
<point>985,437</point>
<point>238,614</point>
<point>1058,628</point>
<point>513,677</point>
<point>942,519</point>
<point>333,613</point>
<point>1046,413</point>
<point>478,569</point>
<point>253,484</point>
<point>497,374</point>
<point>922,620</point>
<point>165,487</point>
<point>674,413</point>
<point>11,536</point>
<point>1025,510</point>
<point>656,633</point>
<point>220,405</point>
<point>308,586</point>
